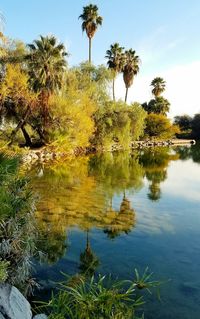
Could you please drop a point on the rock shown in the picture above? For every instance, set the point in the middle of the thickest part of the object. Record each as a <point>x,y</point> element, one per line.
<point>1,316</point>
<point>13,305</point>
<point>41,316</point>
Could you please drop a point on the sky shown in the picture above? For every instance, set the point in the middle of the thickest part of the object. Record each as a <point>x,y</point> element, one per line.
<point>164,33</point>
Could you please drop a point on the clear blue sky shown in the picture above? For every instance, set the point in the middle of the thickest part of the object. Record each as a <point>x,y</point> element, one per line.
<point>164,33</point>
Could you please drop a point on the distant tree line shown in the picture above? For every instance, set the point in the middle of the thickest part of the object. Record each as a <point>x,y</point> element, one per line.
<point>189,126</point>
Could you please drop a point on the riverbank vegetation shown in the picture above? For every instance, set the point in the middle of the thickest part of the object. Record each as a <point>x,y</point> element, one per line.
<point>103,297</point>
<point>189,126</point>
<point>44,102</point>
<point>17,226</point>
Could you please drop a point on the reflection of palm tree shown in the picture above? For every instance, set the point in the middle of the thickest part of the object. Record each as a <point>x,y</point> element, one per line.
<point>88,260</point>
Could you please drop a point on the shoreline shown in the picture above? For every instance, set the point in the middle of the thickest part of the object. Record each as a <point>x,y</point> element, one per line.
<point>46,154</point>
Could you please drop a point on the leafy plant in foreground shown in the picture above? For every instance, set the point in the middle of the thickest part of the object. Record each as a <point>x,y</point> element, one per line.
<point>17,227</point>
<point>100,298</point>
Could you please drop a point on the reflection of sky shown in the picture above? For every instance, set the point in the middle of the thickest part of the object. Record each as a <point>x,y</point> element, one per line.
<point>149,220</point>
<point>183,180</point>
<point>180,193</point>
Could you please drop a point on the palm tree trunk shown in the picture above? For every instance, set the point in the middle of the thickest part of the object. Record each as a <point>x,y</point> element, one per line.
<point>113,87</point>
<point>90,49</point>
<point>126,95</point>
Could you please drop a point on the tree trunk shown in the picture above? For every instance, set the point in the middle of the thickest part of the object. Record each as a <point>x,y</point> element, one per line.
<point>113,87</point>
<point>90,49</point>
<point>126,95</point>
<point>26,136</point>
<point>20,124</point>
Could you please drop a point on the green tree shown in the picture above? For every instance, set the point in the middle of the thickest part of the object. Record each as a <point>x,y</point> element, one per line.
<point>47,64</point>
<point>158,126</point>
<point>115,62</point>
<point>196,126</point>
<point>158,86</point>
<point>17,100</point>
<point>159,105</point>
<point>91,21</point>
<point>183,121</point>
<point>130,69</point>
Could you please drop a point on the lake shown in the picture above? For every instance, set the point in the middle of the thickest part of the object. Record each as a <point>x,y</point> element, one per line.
<point>130,210</point>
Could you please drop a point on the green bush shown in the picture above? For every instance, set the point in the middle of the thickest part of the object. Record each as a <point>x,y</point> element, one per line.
<point>17,227</point>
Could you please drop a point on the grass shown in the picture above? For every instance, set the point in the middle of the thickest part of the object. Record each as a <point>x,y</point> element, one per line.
<point>81,297</point>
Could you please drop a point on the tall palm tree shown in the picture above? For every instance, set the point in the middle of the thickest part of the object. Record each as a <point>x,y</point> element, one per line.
<point>130,69</point>
<point>158,86</point>
<point>115,62</point>
<point>91,21</point>
<point>46,63</point>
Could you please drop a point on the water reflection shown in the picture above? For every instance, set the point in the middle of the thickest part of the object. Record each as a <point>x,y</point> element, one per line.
<point>192,152</point>
<point>155,162</point>
<point>110,213</point>
<point>80,193</point>
<point>88,260</point>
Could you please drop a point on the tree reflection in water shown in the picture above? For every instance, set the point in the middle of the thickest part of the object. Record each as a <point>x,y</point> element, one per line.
<point>79,193</point>
<point>155,162</point>
<point>88,260</point>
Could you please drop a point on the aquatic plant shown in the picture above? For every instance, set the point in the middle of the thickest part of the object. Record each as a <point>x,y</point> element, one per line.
<point>81,297</point>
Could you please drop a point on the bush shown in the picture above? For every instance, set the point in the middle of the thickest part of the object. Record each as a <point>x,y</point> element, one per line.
<point>17,228</point>
<point>158,126</point>
<point>117,122</point>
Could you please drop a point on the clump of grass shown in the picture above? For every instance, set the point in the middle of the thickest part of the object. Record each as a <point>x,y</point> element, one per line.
<point>103,298</point>
<point>3,270</point>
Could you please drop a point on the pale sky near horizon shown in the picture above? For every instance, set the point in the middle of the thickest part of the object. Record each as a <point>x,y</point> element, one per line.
<point>165,34</point>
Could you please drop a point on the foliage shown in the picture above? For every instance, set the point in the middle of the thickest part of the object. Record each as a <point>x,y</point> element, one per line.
<point>183,121</point>
<point>17,102</point>
<point>91,20</point>
<point>117,122</point>
<point>100,298</point>
<point>158,126</point>
<point>17,229</point>
<point>159,105</point>
<point>115,58</point>
<point>115,62</point>
<point>3,270</point>
<point>196,126</point>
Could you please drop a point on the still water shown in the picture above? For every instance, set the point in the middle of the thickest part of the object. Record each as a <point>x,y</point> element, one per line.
<point>132,210</point>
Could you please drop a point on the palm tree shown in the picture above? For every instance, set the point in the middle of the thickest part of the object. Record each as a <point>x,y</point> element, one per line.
<point>115,62</point>
<point>46,63</point>
<point>130,69</point>
<point>158,85</point>
<point>91,21</point>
